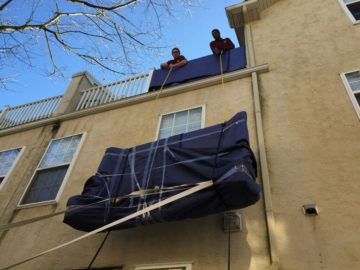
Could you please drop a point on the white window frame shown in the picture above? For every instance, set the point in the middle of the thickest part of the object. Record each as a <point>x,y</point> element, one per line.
<point>347,11</point>
<point>157,266</point>
<point>66,177</point>
<point>7,175</point>
<point>203,113</point>
<point>350,92</point>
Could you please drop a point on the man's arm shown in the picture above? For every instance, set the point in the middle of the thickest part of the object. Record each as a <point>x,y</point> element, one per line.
<point>229,44</point>
<point>213,48</point>
<point>180,64</point>
<point>164,65</point>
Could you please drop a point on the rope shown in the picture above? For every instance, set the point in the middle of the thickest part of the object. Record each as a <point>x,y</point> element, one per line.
<point>229,248</point>
<point>151,110</point>
<point>225,104</point>
<point>99,249</point>
<point>6,227</point>
<point>171,199</point>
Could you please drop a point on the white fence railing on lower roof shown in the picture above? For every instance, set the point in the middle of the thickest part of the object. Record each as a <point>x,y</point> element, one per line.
<point>14,116</point>
<point>103,94</point>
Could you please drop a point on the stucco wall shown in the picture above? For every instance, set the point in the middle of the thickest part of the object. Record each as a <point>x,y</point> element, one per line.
<point>201,241</point>
<point>311,131</point>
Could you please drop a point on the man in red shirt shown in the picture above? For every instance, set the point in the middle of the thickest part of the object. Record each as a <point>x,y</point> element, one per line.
<point>178,61</point>
<point>219,45</point>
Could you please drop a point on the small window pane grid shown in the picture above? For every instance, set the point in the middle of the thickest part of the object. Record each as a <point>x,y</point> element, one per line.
<point>353,79</point>
<point>51,171</point>
<point>60,151</point>
<point>7,159</point>
<point>354,8</point>
<point>352,83</point>
<point>180,122</point>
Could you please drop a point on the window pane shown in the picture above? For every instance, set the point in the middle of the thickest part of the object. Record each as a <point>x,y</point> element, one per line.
<point>194,126</point>
<point>45,185</point>
<point>60,151</point>
<point>6,160</point>
<point>354,80</point>
<point>355,10</point>
<point>357,96</point>
<point>180,122</point>
<point>181,118</point>
<point>167,121</point>
<point>165,133</point>
<point>179,129</point>
<point>195,115</point>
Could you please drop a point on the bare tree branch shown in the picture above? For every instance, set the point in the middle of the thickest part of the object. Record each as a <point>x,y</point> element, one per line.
<point>110,34</point>
<point>5,4</point>
<point>49,22</point>
<point>101,7</point>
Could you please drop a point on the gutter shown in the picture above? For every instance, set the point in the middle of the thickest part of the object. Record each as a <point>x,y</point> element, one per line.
<point>240,14</point>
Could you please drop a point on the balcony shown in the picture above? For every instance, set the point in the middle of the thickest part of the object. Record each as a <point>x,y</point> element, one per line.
<point>30,112</point>
<point>76,99</point>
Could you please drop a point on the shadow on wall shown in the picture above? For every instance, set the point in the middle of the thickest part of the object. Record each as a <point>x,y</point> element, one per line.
<point>201,242</point>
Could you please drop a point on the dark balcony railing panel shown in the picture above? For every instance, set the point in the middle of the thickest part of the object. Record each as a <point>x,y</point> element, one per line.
<point>200,68</point>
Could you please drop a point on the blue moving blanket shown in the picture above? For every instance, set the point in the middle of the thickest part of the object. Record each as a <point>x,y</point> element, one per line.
<point>164,168</point>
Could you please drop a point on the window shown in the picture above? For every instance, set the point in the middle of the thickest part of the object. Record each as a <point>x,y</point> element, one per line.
<point>352,85</point>
<point>352,8</point>
<point>181,122</point>
<point>165,267</point>
<point>52,170</point>
<point>7,161</point>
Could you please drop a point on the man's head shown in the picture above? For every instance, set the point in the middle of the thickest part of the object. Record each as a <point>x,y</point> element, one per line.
<point>216,34</point>
<point>175,52</point>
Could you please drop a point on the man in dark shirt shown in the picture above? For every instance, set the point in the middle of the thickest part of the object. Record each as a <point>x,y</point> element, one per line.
<point>178,61</point>
<point>219,45</point>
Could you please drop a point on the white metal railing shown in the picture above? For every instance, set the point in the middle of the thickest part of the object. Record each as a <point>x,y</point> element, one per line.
<point>14,116</point>
<point>103,94</point>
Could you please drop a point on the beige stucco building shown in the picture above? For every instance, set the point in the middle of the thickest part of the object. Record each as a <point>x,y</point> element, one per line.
<point>301,91</point>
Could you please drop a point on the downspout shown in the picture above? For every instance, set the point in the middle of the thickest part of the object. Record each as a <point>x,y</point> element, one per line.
<point>269,214</point>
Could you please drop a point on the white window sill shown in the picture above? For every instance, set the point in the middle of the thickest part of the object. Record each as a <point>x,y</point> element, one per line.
<point>30,205</point>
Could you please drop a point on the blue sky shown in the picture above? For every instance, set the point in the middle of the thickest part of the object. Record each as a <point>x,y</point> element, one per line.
<point>191,34</point>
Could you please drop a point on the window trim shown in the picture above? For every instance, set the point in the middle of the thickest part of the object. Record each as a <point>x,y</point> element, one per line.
<point>162,265</point>
<point>203,113</point>
<point>350,92</point>
<point>66,177</point>
<point>347,11</point>
<point>22,149</point>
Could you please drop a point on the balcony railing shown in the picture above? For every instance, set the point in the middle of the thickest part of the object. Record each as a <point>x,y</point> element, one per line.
<point>103,94</point>
<point>203,67</point>
<point>18,115</point>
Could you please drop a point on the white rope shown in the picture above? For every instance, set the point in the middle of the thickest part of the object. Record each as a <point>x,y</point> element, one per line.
<point>176,197</point>
<point>152,191</point>
<point>5,227</point>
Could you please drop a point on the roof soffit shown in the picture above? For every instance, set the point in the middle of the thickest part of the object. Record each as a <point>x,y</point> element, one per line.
<point>236,16</point>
